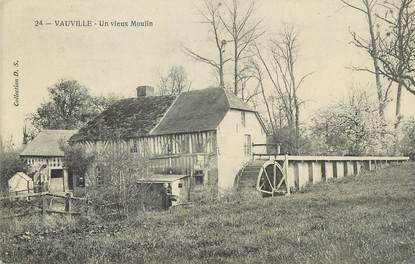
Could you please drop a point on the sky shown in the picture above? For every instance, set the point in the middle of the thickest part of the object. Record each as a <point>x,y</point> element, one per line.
<point>115,60</point>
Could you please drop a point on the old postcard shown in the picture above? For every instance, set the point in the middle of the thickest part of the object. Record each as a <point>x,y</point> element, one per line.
<point>207,131</point>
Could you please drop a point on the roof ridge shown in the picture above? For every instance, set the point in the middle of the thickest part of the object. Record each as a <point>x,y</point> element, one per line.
<point>165,113</point>
<point>244,106</point>
<point>227,98</point>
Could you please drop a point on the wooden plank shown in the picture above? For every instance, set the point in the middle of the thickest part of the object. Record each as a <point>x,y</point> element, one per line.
<point>333,158</point>
<point>23,196</point>
<point>190,143</point>
<point>265,144</point>
<point>21,214</point>
<point>62,212</point>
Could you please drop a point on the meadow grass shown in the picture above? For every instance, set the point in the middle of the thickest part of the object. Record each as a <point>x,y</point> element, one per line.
<point>368,218</point>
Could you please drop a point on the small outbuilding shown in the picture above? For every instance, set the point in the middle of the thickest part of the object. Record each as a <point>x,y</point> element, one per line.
<point>45,157</point>
<point>20,184</point>
<point>173,189</point>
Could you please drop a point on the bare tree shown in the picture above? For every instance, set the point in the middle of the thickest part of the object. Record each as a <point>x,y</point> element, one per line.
<point>284,78</point>
<point>174,82</point>
<point>211,17</point>
<point>243,31</point>
<point>393,48</point>
<point>259,76</point>
<point>397,48</point>
<point>370,45</point>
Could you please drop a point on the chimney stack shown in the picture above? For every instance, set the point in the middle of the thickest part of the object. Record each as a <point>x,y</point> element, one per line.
<point>145,91</point>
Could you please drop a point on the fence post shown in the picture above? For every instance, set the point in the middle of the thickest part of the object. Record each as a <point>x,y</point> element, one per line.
<point>285,167</point>
<point>88,208</point>
<point>44,207</point>
<point>68,204</point>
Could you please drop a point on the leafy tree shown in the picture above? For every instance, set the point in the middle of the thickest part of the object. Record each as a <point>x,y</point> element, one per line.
<point>352,126</point>
<point>407,143</point>
<point>70,107</point>
<point>77,160</point>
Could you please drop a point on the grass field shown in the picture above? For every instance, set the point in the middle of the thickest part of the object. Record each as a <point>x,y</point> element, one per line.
<point>364,219</point>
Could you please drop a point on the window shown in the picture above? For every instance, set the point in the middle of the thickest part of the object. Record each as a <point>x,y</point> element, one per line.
<point>243,118</point>
<point>134,148</point>
<point>81,181</point>
<point>180,185</point>
<point>98,176</point>
<point>198,176</point>
<point>56,174</point>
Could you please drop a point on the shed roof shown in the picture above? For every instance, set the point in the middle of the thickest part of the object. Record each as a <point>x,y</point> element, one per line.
<point>47,143</point>
<point>20,182</point>
<point>21,175</point>
<point>161,178</point>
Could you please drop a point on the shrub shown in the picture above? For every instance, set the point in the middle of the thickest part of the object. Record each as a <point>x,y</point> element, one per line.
<point>77,161</point>
<point>407,143</point>
<point>10,163</point>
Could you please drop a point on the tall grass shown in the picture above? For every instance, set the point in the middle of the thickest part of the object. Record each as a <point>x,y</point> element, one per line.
<point>363,219</point>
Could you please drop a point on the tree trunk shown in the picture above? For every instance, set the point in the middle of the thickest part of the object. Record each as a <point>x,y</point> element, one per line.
<point>235,72</point>
<point>374,55</point>
<point>268,108</point>
<point>297,124</point>
<point>221,81</point>
<point>398,116</point>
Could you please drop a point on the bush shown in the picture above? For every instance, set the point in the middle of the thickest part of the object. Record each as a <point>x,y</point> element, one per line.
<point>407,143</point>
<point>77,161</point>
<point>352,126</point>
<point>10,163</point>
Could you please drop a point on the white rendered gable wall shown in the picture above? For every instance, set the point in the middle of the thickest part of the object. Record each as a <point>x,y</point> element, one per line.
<point>231,145</point>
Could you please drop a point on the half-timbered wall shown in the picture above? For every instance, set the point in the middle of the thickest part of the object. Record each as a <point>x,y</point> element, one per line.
<point>176,153</point>
<point>52,163</point>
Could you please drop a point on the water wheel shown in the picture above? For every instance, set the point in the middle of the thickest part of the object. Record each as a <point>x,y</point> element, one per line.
<point>271,179</point>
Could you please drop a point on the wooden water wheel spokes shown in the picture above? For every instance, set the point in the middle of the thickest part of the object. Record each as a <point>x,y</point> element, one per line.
<point>271,179</point>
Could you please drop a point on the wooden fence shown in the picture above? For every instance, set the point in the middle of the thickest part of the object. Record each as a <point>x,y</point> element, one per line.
<point>45,203</point>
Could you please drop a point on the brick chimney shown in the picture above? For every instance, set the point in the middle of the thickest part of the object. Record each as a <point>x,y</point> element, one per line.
<point>145,90</point>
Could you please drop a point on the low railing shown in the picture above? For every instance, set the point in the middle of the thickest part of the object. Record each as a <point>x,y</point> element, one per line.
<point>329,158</point>
<point>300,170</point>
<point>44,203</point>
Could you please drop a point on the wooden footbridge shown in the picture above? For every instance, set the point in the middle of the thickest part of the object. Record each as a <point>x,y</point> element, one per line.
<point>273,174</point>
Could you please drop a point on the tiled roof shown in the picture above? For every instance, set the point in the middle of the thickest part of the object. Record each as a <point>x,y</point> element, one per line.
<point>47,143</point>
<point>193,111</point>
